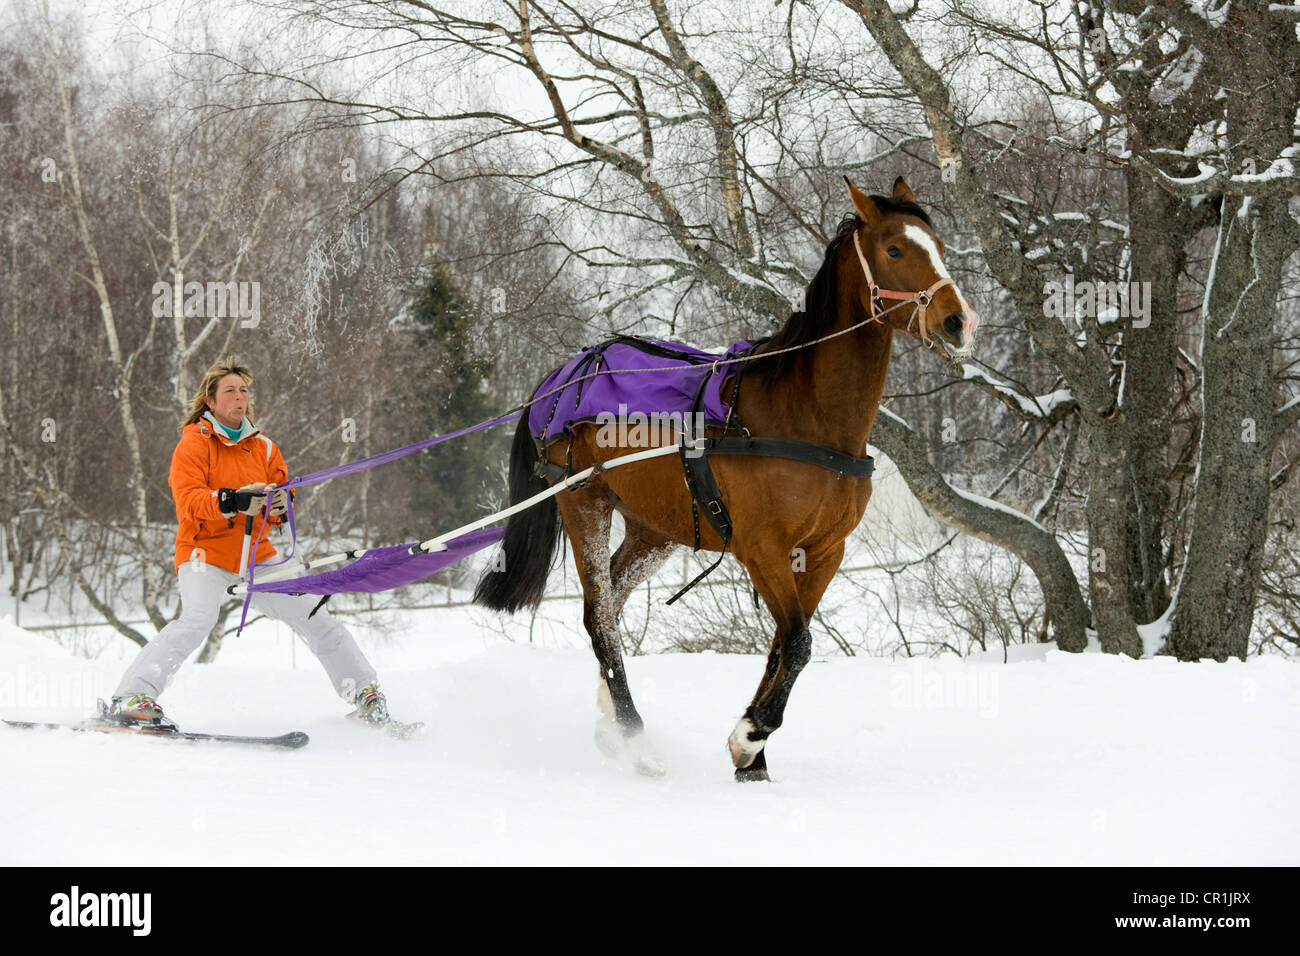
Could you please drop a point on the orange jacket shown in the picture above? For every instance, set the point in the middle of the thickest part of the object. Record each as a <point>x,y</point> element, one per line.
<point>204,462</point>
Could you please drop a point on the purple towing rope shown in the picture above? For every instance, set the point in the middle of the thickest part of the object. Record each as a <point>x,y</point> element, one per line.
<point>382,458</point>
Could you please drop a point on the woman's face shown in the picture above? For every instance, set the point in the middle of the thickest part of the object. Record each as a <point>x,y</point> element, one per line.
<point>231,401</point>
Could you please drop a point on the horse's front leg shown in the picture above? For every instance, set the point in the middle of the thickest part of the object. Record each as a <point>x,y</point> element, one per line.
<point>791,593</point>
<point>791,649</point>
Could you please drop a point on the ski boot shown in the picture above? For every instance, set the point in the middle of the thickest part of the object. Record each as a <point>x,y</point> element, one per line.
<point>140,711</point>
<point>372,706</point>
<point>372,709</point>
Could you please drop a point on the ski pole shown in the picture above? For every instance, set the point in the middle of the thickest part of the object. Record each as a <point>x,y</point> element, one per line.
<point>248,540</point>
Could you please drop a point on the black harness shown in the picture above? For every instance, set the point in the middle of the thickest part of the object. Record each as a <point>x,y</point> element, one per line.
<point>695,449</point>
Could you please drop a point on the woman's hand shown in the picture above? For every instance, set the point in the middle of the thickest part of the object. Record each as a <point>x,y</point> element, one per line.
<point>245,500</point>
<point>279,501</point>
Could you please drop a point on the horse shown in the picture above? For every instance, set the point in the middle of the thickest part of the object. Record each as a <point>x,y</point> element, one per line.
<point>819,379</point>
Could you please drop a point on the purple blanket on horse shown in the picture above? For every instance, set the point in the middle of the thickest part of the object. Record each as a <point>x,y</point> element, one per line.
<point>605,383</point>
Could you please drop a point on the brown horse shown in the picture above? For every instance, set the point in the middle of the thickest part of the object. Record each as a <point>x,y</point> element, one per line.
<point>790,518</point>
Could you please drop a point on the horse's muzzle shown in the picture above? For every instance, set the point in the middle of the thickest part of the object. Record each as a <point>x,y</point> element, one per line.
<point>958,335</point>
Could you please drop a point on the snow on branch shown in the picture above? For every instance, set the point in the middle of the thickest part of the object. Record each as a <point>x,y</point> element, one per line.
<point>1046,409</point>
<point>1279,179</point>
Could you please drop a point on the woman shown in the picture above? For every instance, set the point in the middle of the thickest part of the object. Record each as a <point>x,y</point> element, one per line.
<point>221,470</point>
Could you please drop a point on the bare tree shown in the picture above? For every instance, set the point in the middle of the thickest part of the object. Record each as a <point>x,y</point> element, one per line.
<point>689,168</point>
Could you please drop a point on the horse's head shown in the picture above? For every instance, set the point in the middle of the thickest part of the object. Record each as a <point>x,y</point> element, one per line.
<point>900,264</point>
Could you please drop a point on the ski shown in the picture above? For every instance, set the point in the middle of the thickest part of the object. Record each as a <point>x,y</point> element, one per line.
<point>289,741</point>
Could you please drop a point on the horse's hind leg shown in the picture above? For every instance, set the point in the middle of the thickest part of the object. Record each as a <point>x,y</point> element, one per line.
<point>587,517</point>
<point>641,553</point>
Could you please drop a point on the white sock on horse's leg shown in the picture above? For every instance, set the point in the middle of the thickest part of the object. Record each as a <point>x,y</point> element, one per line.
<point>743,749</point>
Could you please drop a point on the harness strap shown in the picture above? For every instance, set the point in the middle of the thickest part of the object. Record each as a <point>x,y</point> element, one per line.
<point>793,449</point>
<point>707,496</point>
<point>705,493</point>
<point>702,487</point>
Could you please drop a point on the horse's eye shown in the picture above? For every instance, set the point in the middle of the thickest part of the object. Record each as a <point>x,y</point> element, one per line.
<point>895,252</point>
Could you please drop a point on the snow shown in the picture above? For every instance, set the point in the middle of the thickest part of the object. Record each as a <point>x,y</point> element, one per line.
<point>1280,168</point>
<point>1050,759</point>
<point>1082,217</point>
<point>1051,400</point>
<point>1182,74</point>
<point>745,279</point>
<point>1214,16</point>
<point>1036,406</point>
<point>999,506</point>
<point>1154,635</point>
<point>1205,174</point>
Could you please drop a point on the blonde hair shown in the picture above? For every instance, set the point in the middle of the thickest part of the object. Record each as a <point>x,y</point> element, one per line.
<point>208,388</point>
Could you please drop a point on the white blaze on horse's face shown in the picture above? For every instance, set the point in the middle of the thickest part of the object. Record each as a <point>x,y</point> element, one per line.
<point>954,333</point>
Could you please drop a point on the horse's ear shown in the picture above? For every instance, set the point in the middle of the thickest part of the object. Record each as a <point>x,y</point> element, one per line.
<point>865,206</point>
<point>902,190</point>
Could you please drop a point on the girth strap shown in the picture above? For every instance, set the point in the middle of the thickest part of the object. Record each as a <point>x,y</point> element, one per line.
<point>791,448</point>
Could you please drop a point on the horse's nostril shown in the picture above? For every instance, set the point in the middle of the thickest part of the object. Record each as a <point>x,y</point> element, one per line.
<point>953,325</point>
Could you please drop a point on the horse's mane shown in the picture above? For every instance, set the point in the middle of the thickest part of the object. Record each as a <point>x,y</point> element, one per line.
<point>821,298</point>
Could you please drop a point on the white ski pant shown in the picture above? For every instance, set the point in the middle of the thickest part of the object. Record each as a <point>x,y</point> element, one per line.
<point>203,589</point>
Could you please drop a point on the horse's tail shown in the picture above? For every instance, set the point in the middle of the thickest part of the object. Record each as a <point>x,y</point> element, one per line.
<point>532,536</point>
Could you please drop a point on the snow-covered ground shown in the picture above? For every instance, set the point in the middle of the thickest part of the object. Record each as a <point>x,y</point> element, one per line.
<point>1049,759</point>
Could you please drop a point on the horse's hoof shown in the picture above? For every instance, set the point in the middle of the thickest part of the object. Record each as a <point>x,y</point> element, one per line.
<point>651,763</point>
<point>756,771</point>
<point>609,739</point>
<point>744,750</point>
<point>635,749</point>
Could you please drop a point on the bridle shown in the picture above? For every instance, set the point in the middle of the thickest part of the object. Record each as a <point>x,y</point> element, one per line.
<point>922,298</point>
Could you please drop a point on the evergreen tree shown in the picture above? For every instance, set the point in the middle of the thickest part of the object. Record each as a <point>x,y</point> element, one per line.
<point>448,390</point>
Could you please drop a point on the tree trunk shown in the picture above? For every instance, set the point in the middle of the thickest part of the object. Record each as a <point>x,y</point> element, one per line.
<point>1025,538</point>
<point>1239,428</point>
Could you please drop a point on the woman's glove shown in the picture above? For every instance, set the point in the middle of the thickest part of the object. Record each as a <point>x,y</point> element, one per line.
<point>280,501</point>
<point>246,500</point>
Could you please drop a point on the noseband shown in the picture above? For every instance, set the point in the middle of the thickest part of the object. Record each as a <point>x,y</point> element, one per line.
<point>922,298</point>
